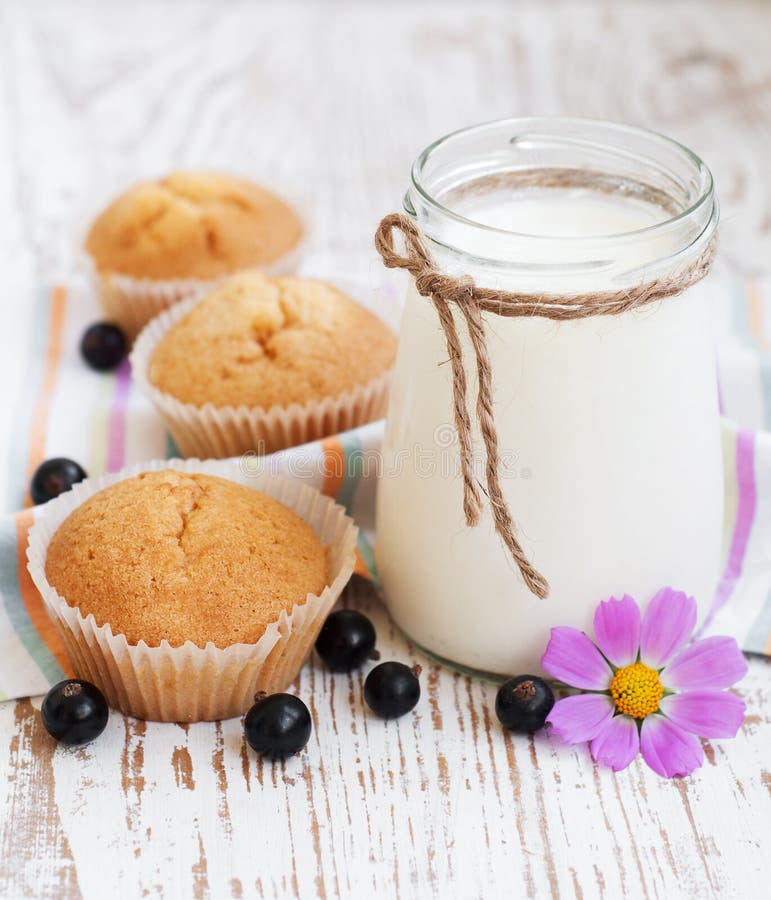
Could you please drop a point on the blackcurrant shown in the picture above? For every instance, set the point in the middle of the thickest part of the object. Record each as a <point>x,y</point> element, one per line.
<point>278,725</point>
<point>346,640</point>
<point>103,346</point>
<point>360,590</point>
<point>392,689</point>
<point>53,477</point>
<point>74,712</point>
<point>523,703</point>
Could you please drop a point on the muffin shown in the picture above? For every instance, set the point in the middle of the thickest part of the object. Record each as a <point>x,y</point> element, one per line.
<point>260,364</point>
<point>182,593</point>
<point>165,240</point>
<point>210,560</point>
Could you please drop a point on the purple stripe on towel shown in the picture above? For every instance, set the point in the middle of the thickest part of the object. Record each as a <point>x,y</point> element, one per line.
<point>745,515</point>
<point>116,435</point>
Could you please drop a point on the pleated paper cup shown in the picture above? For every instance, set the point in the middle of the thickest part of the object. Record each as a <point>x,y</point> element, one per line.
<point>132,302</point>
<point>191,683</point>
<point>218,432</point>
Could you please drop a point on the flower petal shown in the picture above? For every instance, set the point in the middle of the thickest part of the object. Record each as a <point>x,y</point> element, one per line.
<point>571,657</point>
<point>617,744</point>
<point>709,714</point>
<point>617,630</point>
<point>668,623</point>
<point>668,749</point>
<point>581,717</point>
<point>714,662</point>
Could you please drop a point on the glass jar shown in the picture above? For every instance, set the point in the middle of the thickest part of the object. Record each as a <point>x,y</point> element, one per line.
<point>608,426</point>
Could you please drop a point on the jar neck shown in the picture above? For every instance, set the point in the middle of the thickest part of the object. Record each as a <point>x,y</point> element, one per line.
<point>566,203</point>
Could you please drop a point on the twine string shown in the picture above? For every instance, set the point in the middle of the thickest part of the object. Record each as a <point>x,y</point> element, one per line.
<point>446,291</point>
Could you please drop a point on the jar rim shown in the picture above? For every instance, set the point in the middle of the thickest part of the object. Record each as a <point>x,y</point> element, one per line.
<point>702,204</point>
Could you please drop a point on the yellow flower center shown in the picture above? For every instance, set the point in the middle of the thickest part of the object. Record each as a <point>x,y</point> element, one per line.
<point>636,690</point>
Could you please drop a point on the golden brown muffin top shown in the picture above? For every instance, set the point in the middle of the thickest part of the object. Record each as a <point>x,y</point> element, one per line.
<point>259,341</point>
<point>185,557</point>
<point>192,225</point>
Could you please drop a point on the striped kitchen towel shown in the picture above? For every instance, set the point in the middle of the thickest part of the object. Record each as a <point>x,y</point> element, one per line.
<point>63,409</point>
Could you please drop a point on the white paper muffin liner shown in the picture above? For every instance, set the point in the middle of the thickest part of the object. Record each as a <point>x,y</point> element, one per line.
<point>218,432</point>
<point>192,683</point>
<point>133,302</point>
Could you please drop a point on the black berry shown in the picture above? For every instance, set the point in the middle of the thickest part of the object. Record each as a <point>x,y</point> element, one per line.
<point>392,689</point>
<point>53,477</point>
<point>360,590</point>
<point>103,346</point>
<point>523,703</point>
<point>74,712</point>
<point>346,640</point>
<point>278,725</point>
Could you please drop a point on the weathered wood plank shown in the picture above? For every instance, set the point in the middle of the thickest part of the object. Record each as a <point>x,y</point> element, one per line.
<point>372,804</point>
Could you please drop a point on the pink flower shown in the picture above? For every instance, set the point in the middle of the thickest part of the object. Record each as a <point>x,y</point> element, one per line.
<point>647,691</point>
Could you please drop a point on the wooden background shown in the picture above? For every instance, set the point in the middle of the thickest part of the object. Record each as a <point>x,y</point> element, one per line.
<point>330,103</point>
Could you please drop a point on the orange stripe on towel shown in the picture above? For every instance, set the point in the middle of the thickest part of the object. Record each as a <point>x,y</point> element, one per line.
<point>333,466</point>
<point>37,437</point>
<point>33,602</point>
<point>360,567</point>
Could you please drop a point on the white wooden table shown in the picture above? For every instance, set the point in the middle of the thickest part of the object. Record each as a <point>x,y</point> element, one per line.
<point>330,103</point>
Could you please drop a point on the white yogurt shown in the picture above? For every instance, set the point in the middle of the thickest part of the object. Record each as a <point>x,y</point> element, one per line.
<point>609,432</point>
